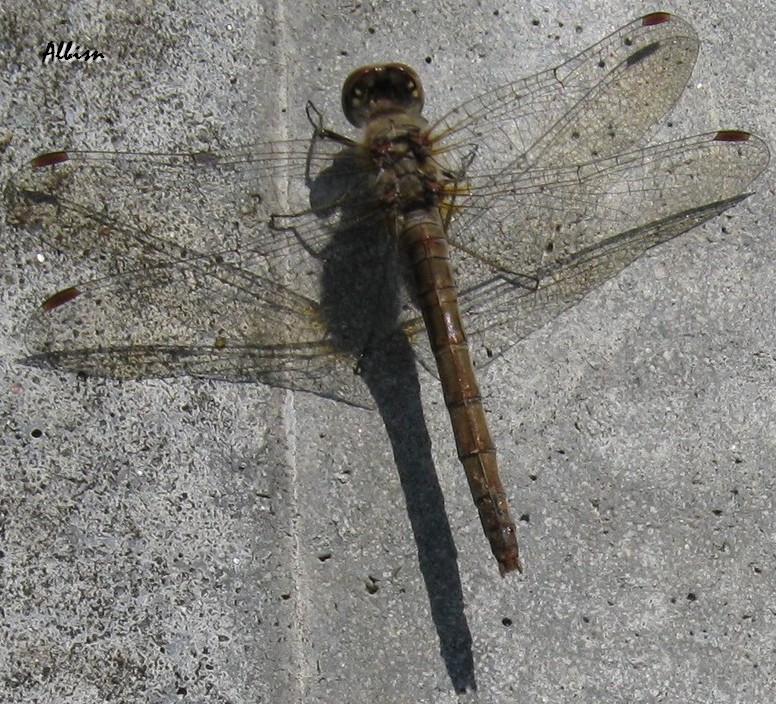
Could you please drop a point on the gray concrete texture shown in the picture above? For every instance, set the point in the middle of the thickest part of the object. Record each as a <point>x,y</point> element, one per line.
<point>199,541</point>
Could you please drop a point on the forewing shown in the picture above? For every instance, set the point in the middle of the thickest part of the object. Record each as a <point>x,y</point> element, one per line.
<point>597,104</point>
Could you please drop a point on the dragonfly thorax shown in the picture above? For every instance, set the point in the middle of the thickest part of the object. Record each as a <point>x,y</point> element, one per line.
<point>407,178</point>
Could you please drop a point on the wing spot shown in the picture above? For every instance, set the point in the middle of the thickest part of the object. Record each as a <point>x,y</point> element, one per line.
<point>60,298</point>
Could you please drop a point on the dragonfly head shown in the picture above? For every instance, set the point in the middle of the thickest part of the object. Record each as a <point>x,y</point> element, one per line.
<point>379,88</point>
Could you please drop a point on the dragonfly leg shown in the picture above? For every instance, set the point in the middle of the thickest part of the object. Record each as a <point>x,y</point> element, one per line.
<point>315,118</point>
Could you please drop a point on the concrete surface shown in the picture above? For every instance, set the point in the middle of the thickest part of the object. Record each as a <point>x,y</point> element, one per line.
<point>198,541</point>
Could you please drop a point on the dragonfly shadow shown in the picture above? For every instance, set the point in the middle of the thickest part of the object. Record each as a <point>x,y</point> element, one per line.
<point>392,378</point>
<point>361,301</point>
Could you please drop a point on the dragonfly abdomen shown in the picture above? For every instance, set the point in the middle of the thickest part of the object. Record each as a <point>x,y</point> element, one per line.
<point>425,249</point>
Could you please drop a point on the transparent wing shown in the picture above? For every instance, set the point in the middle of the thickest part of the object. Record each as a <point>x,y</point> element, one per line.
<point>595,105</point>
<point>181,204</point>
<point>536,233</point>
<point>204,278</point>
<point>613,211</point>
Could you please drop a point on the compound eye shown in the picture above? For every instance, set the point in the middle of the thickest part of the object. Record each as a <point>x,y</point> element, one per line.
<point>372,89</point>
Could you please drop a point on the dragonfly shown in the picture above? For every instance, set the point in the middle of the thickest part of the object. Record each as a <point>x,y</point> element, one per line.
<point>293,263</point>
